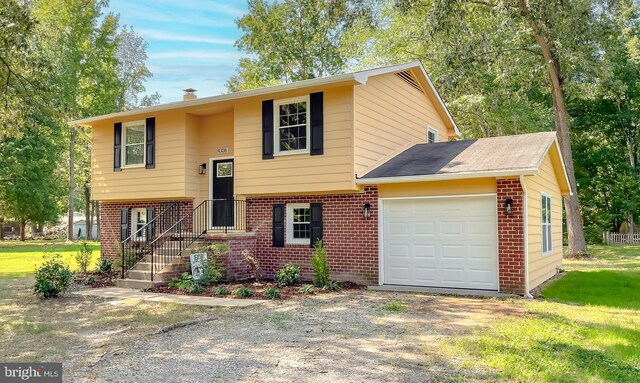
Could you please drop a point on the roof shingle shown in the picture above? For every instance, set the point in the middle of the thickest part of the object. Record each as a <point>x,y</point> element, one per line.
<point>506,153</point>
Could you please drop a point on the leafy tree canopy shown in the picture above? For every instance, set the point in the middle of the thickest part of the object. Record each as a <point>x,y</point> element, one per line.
<point>294,40</point>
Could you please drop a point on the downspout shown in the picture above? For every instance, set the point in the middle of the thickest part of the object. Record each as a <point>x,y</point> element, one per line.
<point>525,215</point>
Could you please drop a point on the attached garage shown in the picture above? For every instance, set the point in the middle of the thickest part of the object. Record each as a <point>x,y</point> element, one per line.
<point>440,242</point>
<point>468,214</point>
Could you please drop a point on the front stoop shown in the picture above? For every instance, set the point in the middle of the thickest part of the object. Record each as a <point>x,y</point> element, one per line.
<point>139,277</point>
<point>137,284</point>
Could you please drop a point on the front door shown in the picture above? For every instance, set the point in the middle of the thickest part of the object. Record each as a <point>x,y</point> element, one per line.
<point>222,209</point>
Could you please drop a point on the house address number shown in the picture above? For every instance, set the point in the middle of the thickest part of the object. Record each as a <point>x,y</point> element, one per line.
<point>223,150</point>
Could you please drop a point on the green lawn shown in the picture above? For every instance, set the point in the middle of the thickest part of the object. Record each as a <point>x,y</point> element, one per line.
<point>587,329</point>
<point>19,259</point>
<point>601,288</point>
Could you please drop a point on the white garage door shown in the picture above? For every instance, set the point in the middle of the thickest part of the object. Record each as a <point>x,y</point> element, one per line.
<point>440,242</point>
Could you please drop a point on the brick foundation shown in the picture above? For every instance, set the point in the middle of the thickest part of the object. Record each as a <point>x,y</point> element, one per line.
<point>235,266</point>
<point>511,257</point>
<point>110,220</point>
<point>350,239</point>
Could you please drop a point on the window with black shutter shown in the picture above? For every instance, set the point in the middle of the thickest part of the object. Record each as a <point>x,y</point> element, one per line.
<point>278,225</point>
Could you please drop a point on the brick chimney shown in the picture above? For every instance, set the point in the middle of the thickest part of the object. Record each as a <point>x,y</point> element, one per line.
<point>189,94</point>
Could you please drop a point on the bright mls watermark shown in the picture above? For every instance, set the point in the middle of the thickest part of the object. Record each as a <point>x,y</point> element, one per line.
<point>31,372</point>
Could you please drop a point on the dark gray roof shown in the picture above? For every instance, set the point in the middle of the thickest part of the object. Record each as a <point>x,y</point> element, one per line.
<point>519,152</point>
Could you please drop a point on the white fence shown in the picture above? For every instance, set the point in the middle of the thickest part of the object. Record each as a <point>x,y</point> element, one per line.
<point>621,239</point>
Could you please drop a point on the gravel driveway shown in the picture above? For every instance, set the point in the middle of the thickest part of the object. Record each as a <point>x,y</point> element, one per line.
<point>347,337</point>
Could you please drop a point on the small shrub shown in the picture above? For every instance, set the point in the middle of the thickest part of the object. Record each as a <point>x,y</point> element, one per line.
<point>53,277</point>
<point>332,285</point>
<point>272,293</point>
<point>221,291</point>
<point>320,264</point>
<point>91,280</point>
<point>289,275</point>
<point>396,307</point>
<point>186,283</point>
<point>105,266</point>
<point>83,256</point>
<point>243,292</point>
<point>307,289</point>
<point>253,263</point>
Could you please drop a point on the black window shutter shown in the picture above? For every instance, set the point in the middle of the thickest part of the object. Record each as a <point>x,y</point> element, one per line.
<point>117,146</point>
<point>317,123</point>
<point>278,225</point>
<point>316,222</point>
<point>151,229</point>
<point>151,143</point>
<point>124,224</point>
<point>267,129</point>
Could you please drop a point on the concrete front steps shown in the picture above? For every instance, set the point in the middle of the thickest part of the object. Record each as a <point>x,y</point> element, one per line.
<point>139,277</point>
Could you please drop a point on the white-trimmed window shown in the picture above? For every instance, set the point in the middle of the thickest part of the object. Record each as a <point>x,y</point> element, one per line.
<point>432,135</point>
<point>291,126</point>
<point>138,220</point>
<point>134,136</point>
<point>547,243</point>
<point>298,223</point>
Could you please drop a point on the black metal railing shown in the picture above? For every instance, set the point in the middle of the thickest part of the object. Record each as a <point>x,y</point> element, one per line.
<point>163,242</point>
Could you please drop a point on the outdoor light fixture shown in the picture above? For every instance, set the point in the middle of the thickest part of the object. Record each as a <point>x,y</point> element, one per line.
<point>508,206</point>
<point>202,169</point>
<point>366,210</point>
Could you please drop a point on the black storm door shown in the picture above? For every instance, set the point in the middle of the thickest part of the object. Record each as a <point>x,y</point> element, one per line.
<point>222,206</point>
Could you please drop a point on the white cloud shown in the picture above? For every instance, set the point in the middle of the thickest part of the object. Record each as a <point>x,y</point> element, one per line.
<point>153,34</point>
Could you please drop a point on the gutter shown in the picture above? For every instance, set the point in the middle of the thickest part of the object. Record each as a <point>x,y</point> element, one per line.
<point>525,214</point>
<point>446,176</point>
<point>82,133</point>
<point>223,97</point>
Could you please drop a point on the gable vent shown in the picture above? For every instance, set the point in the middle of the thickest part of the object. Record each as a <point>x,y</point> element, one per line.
<point>407,77</point>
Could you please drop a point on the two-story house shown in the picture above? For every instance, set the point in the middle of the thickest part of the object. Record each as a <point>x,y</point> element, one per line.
<point>370,162</point>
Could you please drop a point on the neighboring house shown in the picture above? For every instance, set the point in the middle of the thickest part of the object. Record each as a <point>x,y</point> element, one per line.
<point>361,160</point>
<point>80,225</point>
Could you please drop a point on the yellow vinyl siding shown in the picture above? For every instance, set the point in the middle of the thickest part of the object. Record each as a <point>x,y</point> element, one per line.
<point>389,114</point>
<point>542,267</point>
<point>298,173</point>
<point>167,180</point>
<point>214,132</point>
<point>192,158</point>
<point>438,188</point>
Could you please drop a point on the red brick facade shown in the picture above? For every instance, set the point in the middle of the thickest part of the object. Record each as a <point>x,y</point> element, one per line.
<point>350,239</point>
<point>110,220</point>
<point>511,256</point>
<point>235,266</point>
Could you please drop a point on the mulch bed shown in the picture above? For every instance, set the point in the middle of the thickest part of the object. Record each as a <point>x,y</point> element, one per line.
<point>258,288</point>
<point>95,279</point>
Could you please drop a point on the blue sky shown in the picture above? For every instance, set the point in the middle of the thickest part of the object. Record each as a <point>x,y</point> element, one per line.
<point>190,42</point>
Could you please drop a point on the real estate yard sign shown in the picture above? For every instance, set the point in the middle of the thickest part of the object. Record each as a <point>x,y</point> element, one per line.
<point>198,265</point>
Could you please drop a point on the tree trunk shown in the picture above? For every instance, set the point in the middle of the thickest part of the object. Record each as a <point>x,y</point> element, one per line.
<point>72,182</point>
<point>97,210</point>
<point>577,242</point>
<point>1,231</point>
<point>632,162</point>
<point>23,227</point>
<point>87,210</point>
